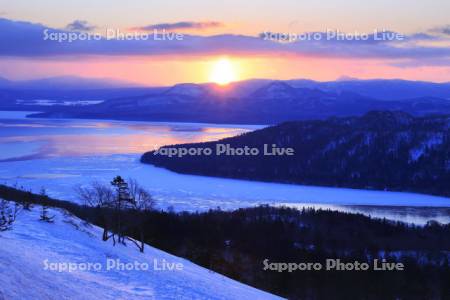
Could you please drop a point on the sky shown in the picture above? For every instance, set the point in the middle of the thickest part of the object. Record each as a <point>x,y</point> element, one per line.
<point>281,39</point>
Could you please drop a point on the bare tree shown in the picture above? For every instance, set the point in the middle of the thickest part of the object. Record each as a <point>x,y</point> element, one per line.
<point>96,194</point>
<point>141,202</point>
<point>122,206</point>
<point>100,196</point>
<point>140,198</point>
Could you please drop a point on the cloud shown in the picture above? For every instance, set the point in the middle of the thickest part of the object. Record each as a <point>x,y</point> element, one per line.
<point>422,36</point>
<point>445,30</point>
<point>181,26</point>
<point>433,62</point>
<point>80,25</point>
<point>24,39</point>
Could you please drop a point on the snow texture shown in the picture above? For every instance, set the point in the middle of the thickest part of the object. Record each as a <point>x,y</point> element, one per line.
<point>33,245</point>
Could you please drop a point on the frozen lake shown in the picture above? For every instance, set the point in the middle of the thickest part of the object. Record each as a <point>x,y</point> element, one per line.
<point>58,155</point>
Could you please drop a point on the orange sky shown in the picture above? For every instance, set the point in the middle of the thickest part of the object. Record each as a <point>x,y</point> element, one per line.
<point>170,70</point>
<point>425,59</point>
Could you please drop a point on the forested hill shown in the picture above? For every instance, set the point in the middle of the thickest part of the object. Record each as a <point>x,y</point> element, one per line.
<point>380,150</point>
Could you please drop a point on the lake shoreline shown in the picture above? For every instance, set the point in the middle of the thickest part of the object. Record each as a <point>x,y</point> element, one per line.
<point>79,151</point>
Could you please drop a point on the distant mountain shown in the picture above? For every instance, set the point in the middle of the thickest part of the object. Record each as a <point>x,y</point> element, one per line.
<point>237,89</point>
<point>263,103</point>
<point>4,82</point>
<point>188,90</point>
<point>383,89</point>
<point>11,99</point>
<point>65,83</point>
<point>275,90</point>
<point>257,101</point>
<point>380,150</point>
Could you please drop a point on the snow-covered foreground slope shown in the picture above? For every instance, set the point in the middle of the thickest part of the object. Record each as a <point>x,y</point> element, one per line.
<point>31,252</point>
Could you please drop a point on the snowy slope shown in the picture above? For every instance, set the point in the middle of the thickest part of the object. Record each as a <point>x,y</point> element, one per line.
<point>25,249</point>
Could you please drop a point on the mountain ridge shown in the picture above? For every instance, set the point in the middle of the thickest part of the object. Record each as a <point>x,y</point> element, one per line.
<point>272,103</point>
<point>381,150</point>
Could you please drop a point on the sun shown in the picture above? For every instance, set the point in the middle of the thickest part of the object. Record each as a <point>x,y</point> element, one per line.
<point>223,72</point>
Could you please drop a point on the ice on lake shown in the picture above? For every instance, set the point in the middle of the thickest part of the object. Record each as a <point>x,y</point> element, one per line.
<point>59,176</point>
<point>59,155</point>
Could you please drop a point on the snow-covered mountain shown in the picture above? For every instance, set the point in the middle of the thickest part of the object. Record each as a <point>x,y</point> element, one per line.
<point>65,83</point>
<point>382,89</point>
<point>268,103</point>
<point>187,89</point>
<point>275,90</point>
<point>33,253</point>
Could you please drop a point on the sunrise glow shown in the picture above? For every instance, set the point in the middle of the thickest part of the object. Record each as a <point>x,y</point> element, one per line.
<point>223,72</point>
